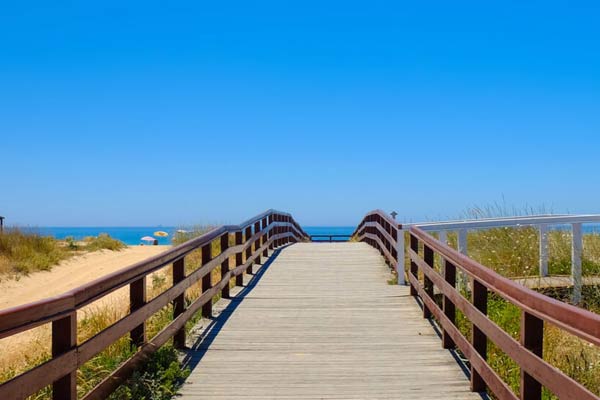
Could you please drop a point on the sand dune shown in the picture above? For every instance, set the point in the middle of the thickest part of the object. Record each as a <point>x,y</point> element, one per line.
<point>71,273</point>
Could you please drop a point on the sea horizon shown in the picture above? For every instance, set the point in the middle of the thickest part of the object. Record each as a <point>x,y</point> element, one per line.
<point>132,235</point>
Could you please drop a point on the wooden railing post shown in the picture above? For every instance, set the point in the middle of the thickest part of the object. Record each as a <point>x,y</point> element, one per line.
<point>264,237</point>
<point>64,338</point>
<point>249,249</point>
<point>414,269</point>
<point>206,280</point>
<point>427,283</point>
<point>239,279</point>
<point>271,232</point>
<point>400,255</point>
<point>137,298</point>
<point>479,340</point>
<point>532,338</point>
<point>258,242</point>
<point>277,230</point>
<point>225,264</point>
<point>448,305</point>
<point>179,302</point>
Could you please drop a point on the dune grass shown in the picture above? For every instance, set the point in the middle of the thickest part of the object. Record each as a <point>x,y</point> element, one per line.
<point>22,253</point>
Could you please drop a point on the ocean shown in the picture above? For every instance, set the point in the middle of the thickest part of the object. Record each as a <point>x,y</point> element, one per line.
<point>132,235</point>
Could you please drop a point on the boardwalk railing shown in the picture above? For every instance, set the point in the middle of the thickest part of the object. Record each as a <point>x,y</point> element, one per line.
<point>536,309</point>
<point>543,223</point>
<point>252,238</point>
<point>381,231</point>
<point>441,298</point>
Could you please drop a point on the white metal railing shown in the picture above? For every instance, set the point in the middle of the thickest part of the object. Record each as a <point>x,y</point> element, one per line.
<point>543,222</point>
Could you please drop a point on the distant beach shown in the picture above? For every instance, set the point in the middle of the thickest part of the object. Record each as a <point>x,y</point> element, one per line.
<point>131,235</point>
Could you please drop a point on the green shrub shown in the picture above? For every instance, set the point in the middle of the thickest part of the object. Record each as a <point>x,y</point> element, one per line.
<point>102,242</point>
<point>159,379</point>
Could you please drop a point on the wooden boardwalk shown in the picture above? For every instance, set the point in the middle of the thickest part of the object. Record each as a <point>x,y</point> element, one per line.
<point>321,322</point>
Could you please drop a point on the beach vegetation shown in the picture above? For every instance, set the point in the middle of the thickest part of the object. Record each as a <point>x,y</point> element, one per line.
<point>24,252</point>
<point>102,242</point>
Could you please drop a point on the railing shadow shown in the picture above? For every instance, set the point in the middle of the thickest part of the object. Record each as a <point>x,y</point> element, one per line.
<point>462,362</point>
<point>196,352</point>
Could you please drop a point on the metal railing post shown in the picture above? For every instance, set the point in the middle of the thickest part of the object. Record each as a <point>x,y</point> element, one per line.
<point>543,229</point>
<point>576,251</point>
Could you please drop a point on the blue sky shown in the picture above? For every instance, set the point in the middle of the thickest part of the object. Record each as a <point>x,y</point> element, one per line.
<point>145,113</point>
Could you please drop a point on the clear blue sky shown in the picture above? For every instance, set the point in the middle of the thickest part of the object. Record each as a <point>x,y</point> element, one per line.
<point>144,113</point>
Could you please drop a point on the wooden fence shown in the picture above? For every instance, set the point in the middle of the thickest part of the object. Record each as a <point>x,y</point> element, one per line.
<point>440,298</point>
<point>253,239</point>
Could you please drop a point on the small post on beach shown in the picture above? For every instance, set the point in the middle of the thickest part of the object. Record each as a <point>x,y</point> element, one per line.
<point>1,224</point>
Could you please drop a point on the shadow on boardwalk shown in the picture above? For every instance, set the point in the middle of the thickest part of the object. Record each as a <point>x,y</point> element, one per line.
<point>196,352</point>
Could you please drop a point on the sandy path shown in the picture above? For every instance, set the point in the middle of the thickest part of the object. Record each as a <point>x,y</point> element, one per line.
<point>71,273</point>
<point>62,278</point>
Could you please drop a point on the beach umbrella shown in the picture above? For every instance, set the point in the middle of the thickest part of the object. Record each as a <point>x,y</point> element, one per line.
<point>161,234</point>
<point>147,239</point>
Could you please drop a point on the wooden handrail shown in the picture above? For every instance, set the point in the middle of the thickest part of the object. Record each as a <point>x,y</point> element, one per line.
<point>253,238</point>
<point>536,309</point>
<point>381,231</point>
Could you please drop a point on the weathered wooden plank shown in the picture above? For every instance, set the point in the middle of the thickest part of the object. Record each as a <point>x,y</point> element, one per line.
<point>322,323</point>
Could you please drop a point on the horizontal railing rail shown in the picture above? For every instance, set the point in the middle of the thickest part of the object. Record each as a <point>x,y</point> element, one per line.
<point>543,223</point>
<point>381,231</point>
<point>253,239</point>
<point>377,227</point>
<point>536,310</point>
<point>331,238</point>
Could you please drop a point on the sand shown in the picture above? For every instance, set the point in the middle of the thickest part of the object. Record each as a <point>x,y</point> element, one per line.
<point>14,350</point>
<point>71,273</point>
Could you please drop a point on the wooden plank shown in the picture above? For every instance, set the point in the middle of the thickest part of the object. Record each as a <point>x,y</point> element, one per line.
<point>321,322</point>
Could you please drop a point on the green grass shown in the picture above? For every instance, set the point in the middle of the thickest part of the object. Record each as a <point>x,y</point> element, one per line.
<point>102,242</point>
<point>23,253</point>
